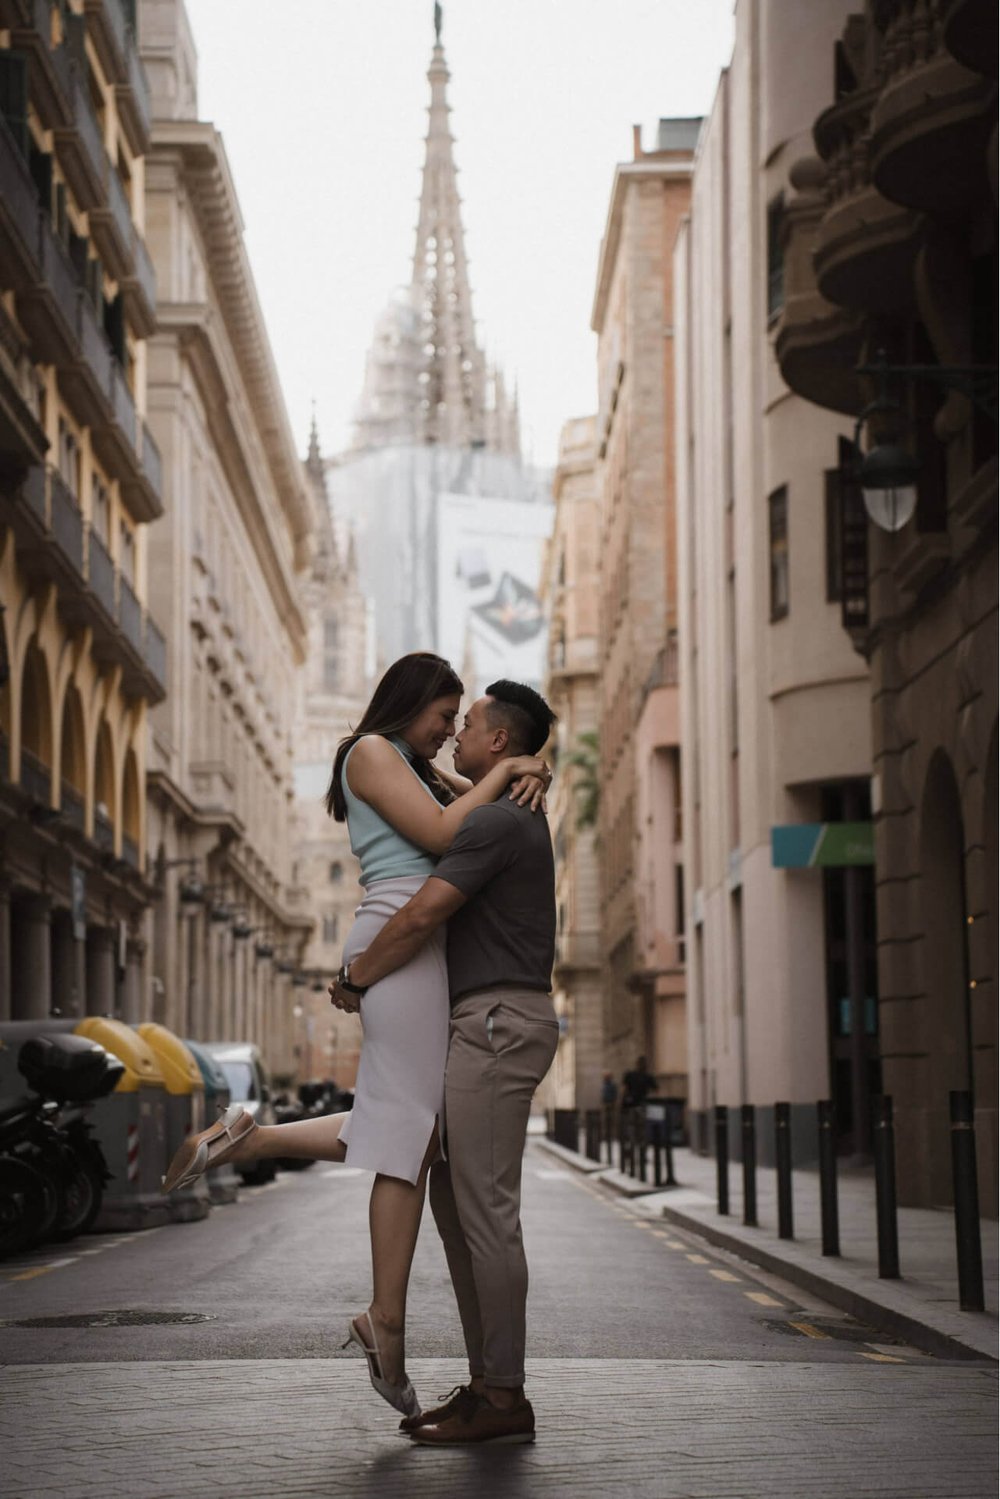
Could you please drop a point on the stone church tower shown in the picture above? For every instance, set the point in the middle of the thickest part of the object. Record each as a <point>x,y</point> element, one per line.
<point>437,432</point>
<point>426,379</point>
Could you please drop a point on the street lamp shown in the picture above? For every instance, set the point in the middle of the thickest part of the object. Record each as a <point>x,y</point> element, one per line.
<point>888,473</point>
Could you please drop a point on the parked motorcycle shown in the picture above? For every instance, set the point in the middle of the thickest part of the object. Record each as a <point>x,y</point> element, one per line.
<point>52,1170</point>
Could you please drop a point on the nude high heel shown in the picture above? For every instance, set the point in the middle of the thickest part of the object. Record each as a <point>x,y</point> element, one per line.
<point>211,1148</point>
<point>402,1397</point>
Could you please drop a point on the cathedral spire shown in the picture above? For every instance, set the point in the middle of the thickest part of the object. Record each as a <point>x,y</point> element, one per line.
<point>452,368</point>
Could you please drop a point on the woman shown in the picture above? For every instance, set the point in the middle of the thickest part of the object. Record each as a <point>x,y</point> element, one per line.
<point>401,815</point>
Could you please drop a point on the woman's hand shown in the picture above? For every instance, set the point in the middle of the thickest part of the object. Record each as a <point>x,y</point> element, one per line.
<point>531,779</point>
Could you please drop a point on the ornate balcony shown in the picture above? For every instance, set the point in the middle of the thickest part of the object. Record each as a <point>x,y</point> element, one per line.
<point>18,215</point>
<point>108,27</point>
<point>817,344</point>
<point>139,290</point>
<point>132,99</point>
<point>112,228</point>
<point>88,377</point>
<point>970,34</point>
<point>48,308</point>
<point>933,117</point>
<point>55,544</point>
<point>81,148</point>
<point>865,245</point>
<point>50,67</point>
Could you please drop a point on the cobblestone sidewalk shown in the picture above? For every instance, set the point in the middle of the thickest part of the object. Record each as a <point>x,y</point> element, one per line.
<point>646,1429</point>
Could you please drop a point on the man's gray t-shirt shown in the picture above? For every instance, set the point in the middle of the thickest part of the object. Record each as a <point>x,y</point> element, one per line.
<point>501,860</point>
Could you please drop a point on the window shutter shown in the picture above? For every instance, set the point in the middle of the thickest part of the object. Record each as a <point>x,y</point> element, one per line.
<point>14,97</point>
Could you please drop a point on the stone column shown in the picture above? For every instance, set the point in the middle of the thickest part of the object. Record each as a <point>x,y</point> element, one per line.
<point>135,950</point>
<point>31,968</point>
<point>69,979</point>
<point>100,960</point>
<point>5,993</point>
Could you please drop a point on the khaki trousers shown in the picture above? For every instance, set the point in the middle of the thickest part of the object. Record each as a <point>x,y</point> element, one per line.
<point>502,1044</point>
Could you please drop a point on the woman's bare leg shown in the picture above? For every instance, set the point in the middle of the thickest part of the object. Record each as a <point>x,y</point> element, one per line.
<point>394,1218</point>
<point>306,1139</point>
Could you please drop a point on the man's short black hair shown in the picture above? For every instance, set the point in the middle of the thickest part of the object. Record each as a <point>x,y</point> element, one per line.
<point>523,712</point>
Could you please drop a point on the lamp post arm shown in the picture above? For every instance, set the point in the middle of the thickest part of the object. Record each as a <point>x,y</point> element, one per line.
<point>976,381</point>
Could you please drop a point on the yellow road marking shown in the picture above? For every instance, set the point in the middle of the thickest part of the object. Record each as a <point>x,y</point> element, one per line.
<point>882,1358</point>
<point>725,1275</point>
<point>699,1259</point>
<point>658,1233</point>
<point>40,1270</point>
<point>810,1331</point>
<point>762,1298</point>
<point>674,1244</point>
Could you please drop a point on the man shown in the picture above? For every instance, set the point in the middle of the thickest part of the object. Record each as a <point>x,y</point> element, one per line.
<point>637,1085</point>
<point>496,889</point>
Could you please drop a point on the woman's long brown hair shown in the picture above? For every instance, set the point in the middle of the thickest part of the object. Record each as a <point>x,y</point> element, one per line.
<point>409,686</point>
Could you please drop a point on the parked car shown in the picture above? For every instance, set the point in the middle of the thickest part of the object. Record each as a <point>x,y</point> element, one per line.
<point>249,1085</point>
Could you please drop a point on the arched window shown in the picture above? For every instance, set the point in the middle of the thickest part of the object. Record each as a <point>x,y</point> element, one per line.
<point>131,812</point>
<point>73,759</point>
<point>104,790</point>
<point>36,727</point>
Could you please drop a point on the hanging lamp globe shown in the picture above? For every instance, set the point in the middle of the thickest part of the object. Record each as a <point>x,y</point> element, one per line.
<point>888,477</point>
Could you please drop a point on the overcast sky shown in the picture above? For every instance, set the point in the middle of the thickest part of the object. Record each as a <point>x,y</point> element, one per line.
<point>322,106</point>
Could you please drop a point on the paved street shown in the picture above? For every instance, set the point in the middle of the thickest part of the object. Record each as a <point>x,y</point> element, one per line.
<point>659,1366</point>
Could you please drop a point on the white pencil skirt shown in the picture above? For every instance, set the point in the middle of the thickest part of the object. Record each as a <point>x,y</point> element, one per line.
<point>404,1019</point>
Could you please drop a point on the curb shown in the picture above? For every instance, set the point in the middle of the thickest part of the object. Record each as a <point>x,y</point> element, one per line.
<point>857,1303</point>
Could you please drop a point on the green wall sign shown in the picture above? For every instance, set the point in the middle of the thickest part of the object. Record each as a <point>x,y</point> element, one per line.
<point>819,845</point>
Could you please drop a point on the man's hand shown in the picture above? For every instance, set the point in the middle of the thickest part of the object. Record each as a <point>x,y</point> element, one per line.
<point>341,999</point>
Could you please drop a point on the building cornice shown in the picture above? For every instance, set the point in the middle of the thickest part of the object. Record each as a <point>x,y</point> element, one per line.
<point>627,172</point>
<point>195,327</point>
<point>199,148</point>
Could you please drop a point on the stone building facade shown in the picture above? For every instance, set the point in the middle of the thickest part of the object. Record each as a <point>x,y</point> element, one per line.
<point>226,571</point>
<point>633,317</point>
<point>570,595</point>
<point>890,245</point>
<point>82,657</point>
<point>780,961</point>
<point>333,690</point>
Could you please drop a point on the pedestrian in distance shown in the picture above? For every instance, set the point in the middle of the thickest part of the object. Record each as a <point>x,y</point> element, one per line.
<point>637,1085</point>
<point>495,889</point>
<point>609,1091</point>
<point>402,815</point>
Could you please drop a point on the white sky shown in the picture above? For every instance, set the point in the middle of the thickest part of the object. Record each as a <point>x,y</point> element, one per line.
<point>323,115</point>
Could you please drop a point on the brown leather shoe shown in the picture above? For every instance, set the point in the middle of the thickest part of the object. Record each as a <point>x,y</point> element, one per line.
<point>454,1402</point>
<point>480,1422</point>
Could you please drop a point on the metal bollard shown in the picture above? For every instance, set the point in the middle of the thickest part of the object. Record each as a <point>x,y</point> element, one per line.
<point>829,1213</point>
<point>722,1159</point>
<point>783,1162</point>
<point>668,1146</point>
<point>884,1146</point>
<point>748,1131</point>
<point>640,1127</point>
<point>622,1141</point>
<point>592,1134</point>
<point>658,1153</point>
<point>966,1192</point>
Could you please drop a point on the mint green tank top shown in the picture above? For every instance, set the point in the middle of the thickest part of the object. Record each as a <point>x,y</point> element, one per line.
<point>383,853</point>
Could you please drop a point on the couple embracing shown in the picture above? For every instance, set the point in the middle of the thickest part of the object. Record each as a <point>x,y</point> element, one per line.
<point>449,964</point>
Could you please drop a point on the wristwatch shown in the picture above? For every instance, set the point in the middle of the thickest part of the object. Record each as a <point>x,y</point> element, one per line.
<point>344,981</point>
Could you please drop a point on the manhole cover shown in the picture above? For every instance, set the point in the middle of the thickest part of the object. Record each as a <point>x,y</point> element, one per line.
<point>841,1330</point>
<point>110,1319</point>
